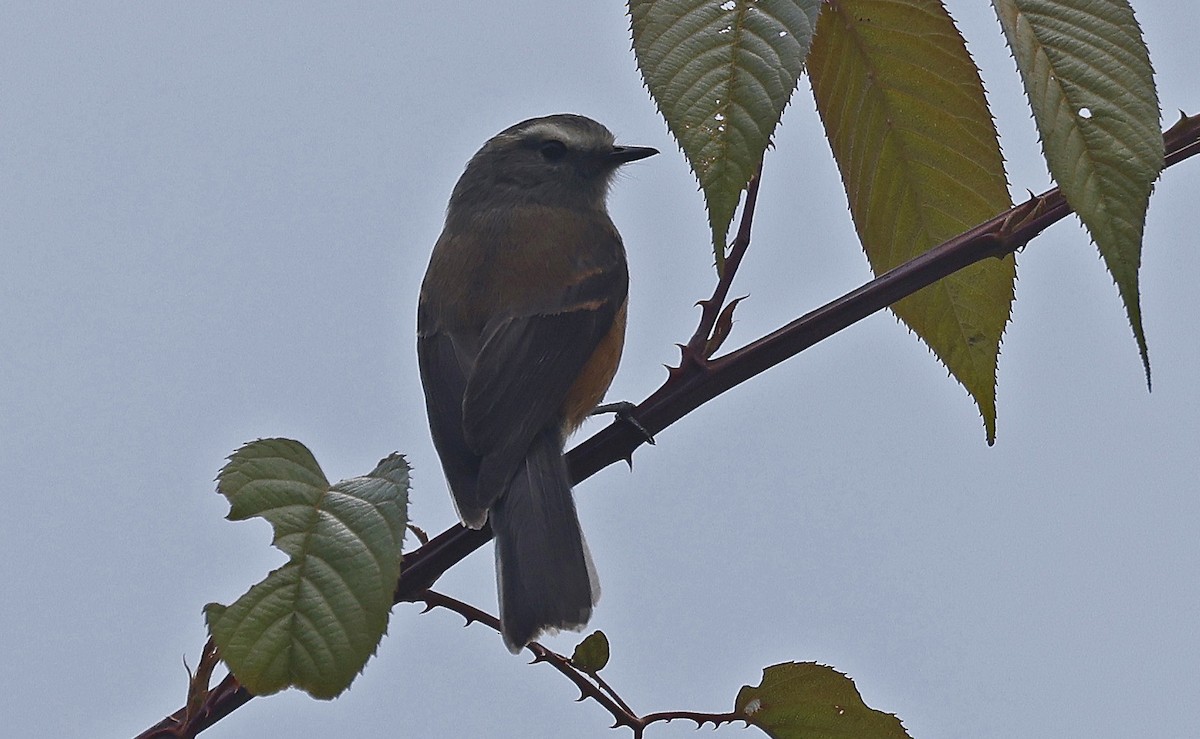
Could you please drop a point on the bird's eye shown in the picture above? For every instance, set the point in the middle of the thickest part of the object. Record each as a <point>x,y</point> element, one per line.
<point>553,150</point>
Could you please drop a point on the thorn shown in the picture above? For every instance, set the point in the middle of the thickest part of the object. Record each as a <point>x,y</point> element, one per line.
<point>420,533</point>
<point>1179,124</point>
<point>721,328</point>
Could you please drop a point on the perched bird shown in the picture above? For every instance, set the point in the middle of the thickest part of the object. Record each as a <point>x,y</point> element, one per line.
<point>519,331</point>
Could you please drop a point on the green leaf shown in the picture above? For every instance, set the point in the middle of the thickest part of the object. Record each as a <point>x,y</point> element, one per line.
<point>591,654</point>
<point>313,623</point>
<point>721,72</point>
<point>1088,77</point>
<point>905,114</point>
<point>804,700</point>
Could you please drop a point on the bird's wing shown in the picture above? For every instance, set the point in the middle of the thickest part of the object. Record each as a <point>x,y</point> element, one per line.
<point>524,370</point>
<point>445,364</point>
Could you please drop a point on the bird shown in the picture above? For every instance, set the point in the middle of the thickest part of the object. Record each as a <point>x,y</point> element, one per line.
<point>520,328</point>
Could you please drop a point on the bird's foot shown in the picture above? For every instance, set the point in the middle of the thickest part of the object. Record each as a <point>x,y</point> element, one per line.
<point>624,411</point>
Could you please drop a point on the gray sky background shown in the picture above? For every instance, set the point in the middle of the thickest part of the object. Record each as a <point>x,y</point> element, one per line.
<point>215,218</point>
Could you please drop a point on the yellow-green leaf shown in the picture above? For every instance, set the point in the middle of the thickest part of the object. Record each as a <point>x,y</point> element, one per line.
<point>314,622</point>
<point>591,654</point>
<point>721,72</point>
<point>1088,77</point>
<point>804,700</point>
<point>905,114</point>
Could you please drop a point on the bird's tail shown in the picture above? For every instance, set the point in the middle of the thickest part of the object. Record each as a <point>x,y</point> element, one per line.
<point>543,569</point>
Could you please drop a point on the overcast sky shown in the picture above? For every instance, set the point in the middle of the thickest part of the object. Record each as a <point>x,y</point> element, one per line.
<point>214,220</point>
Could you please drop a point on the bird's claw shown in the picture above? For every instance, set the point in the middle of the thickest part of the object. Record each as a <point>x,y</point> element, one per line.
<point>624,411</point>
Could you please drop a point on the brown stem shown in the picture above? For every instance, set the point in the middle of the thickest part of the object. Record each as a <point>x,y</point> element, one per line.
<point>710,310</point>
<point>621,714</point>
<point>595,687</point>
<point>716,719</point>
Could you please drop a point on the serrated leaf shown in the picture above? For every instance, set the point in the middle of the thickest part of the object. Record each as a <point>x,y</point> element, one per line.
<point>1088,77</point>
<point>591,654</point>
<point>905,114</point>
<point>721,72</point>
<point>313,623</point>
<point>804,700</point>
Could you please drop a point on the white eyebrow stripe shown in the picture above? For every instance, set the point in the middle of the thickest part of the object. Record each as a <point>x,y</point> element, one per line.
<point>569,135</point>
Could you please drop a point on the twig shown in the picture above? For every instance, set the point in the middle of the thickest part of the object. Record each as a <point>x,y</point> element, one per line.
<point>603,685</point>
<point>697,347</point>
<point>595,688</point>
<point>716,719</point>
<point>621,714</point>
<point>189,721</point>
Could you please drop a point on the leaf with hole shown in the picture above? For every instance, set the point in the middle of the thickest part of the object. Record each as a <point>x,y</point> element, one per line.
<point>804,700</point>
<point>1087,74</point>
<point>721,72</point>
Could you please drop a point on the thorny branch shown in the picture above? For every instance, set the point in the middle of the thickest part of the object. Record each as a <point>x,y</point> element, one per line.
<point>590,686</point>
<point>699,379</point>
<point>716,316</point>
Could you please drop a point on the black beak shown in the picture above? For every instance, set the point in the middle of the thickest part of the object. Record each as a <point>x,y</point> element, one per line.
<point>625,154</point>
